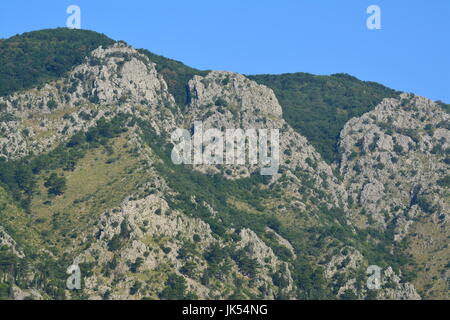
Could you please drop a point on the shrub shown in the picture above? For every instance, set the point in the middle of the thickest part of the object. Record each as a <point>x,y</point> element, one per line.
<point>398,149</point>
<point>115,243</point>
<point>220,102</point>
<point>175,288</point>
<point>444,182</point>
<point>135,288</point>
<point>51,104</point>
<point>55,185</point>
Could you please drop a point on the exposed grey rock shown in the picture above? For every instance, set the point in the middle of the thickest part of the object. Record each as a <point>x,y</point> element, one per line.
<point>7,241</point>
<point>391,160</point>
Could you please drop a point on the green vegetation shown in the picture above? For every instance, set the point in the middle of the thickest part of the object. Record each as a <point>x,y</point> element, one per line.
<point>444,182</point>
<point>316,106</point>
<point>247,266</point>
<point>309,102</point>
<point>37,57</point>
<point>49,276</point>
<point>444,106</point>
<point>319,106</point>
<point>19,177</point>
<point>8,263</point>
<point>175,288</point>
<point>34,58</point>
<point>55,185</point>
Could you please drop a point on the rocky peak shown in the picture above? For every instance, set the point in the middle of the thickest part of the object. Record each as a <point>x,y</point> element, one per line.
<point>110,81</point>
<point>120,74</point>
<point>233,100</point>
<point>399,149</point>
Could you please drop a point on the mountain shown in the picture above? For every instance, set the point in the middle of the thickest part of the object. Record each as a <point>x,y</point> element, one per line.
<point>326,102</point>
<point>33,58</point>
<point>87,178</point>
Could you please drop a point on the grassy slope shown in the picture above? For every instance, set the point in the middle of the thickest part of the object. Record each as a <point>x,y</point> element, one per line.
<point>16,221</point>
<point>100,181</point>
<point>103,177</point>
<point>429,245</point>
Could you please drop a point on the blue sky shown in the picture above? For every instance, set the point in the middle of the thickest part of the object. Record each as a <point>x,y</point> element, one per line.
<point>410,53</point>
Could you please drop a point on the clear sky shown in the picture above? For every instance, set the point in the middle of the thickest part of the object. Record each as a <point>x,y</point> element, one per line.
<point>410,53</point>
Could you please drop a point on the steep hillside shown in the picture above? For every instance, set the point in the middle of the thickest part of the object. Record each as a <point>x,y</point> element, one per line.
<point>86,177</point>
<point>319,106</point>
<point>34,58</point>
<point>395,165</point>
<point>176,74</point>
<point>309,102</point>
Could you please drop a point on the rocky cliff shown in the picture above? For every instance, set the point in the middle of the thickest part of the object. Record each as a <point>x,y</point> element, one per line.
<point>141,227</point>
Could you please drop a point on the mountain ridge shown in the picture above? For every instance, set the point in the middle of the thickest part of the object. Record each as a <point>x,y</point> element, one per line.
<point>139,226</point>
<point>177,76</point>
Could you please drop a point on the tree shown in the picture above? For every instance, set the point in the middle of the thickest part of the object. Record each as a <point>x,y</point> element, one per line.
<point>175,288</point>
<point>25,179</point>
<point>51,104</point>
<point>55,185</point>
<point>33,58</point>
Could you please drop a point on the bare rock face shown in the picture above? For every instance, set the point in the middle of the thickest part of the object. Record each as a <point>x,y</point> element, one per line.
<point>112,80</point>
<point>224,100</point>
<point>234,96</point>
<point>264,255</point>
<point>392,162</point>
<point>345,268</point>
<point>7,241</point>
<point>394,289</point>
<point>142,236</point>
<point>347,259</point>
<point>20,294</point>
<point>120,74</point>
<point>148,231</point>
<point>392,159</point>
